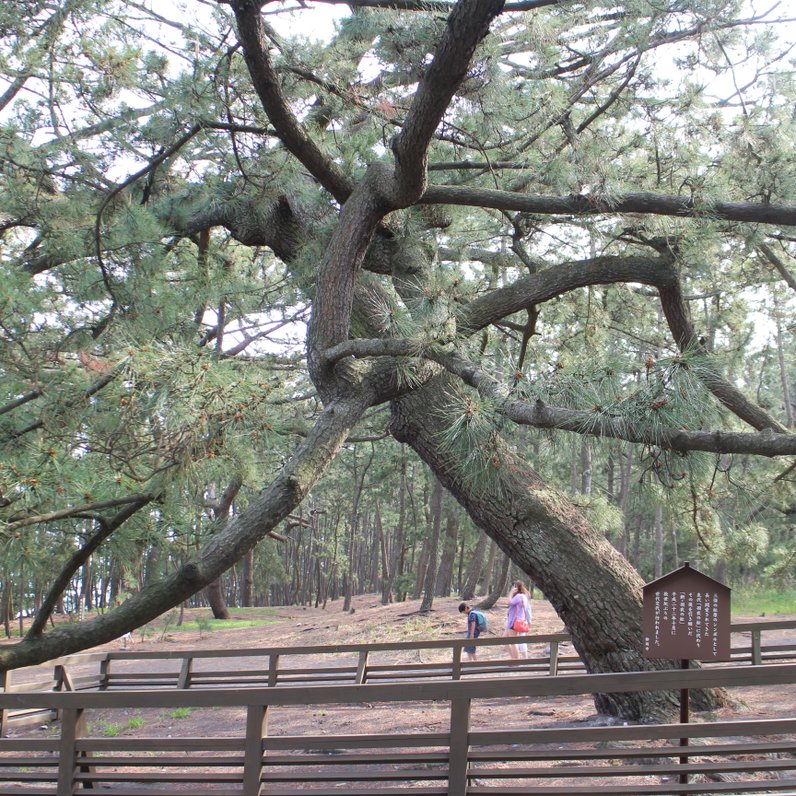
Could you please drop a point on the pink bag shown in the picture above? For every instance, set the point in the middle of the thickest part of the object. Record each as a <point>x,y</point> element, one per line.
<point>520,626</point>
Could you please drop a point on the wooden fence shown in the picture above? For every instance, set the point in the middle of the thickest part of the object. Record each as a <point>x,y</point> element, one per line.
<point>267,757</point>
<point>409,661</point>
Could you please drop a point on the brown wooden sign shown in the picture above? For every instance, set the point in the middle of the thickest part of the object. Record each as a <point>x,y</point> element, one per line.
<point>687,616</point>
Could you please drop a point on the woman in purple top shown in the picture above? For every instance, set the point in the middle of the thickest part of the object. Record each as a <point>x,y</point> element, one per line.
<point>519,611</point>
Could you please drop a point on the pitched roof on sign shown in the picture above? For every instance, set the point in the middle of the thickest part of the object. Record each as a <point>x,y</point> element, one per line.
<point>685,571</point>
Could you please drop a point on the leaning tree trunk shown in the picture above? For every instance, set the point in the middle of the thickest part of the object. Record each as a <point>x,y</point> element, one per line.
<point>592,587</point>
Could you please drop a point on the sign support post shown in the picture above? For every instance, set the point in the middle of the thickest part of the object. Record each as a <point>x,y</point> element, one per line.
<point>686,617</point>
<point>684,718</point>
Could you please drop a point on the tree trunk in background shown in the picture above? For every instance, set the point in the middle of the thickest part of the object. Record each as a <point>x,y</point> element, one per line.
<point>625,467</point>
<point>433,548</point>
<point>594,590</point>
<point>784,372</point>
<point>449,546</point>
<point>396,558</point>
<point>420,568</point>
<point>221,510</point>
<point>475,568</point>
<point>486,572</point>
<point>348,581</point>
<point>585,466</point>
<point>215,599</point>
<point>87,587</point>
<point>7,604</point>
<point>658,524</point>
<point>675,550</point>
<point>499,582</point>
<point>247,590</point>
<point>385,557</point>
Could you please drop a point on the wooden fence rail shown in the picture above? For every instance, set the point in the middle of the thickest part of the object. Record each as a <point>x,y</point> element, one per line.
<point>266,757</point>
<point>335,664</point>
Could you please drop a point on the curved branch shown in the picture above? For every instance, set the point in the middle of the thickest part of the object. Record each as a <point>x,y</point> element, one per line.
<point>74,511</point>
<point>677,317</point>
<point>467,25</point>
<point>79,558</point>
<point>555,281</point>
<point>540,415</point>
<point>252,35</point>
<point>21,401</point>
<point>782,269</point>
<point>436,6</point>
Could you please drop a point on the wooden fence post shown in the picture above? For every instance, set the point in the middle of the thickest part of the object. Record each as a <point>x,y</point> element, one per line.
<point>553,658</point>
<point>273,669</point>
<point>73,726</point>
<point>757,648</point>
<point>104,673</point>
<point>456,671</point>
<point>458,762</point>
<point>5,682</point>
<point>256,730</point>
<point>184,680</point>
<point>362,667</point>
<point>63,682</point>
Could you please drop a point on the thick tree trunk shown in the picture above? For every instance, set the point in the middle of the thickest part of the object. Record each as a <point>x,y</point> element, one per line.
<point>592,587</point>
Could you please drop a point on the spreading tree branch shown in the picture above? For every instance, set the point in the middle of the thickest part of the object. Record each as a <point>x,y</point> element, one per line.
<point>81,556</point>
<point>586,204</point>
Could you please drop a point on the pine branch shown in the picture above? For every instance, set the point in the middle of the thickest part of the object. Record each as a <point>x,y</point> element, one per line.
<point>588,205</point>
<point>79,558</point>
<point>539,415</point>
<point>74,511</point>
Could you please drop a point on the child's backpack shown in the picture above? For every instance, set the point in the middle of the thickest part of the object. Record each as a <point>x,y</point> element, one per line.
<point>481,621</point>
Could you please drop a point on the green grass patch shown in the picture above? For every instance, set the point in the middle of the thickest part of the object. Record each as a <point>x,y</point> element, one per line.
<point>108,729</point>
<point>206,625</point>
<point>764,602</point>
<point>181,713</point>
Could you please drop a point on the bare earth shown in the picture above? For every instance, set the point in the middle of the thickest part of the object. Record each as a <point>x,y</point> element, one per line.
<point>372,622</point>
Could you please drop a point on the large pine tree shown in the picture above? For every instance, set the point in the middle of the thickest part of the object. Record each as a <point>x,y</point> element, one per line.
<point>485,216</point>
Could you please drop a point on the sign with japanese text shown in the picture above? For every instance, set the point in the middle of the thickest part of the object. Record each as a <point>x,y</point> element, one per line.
<point>687,616</point>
